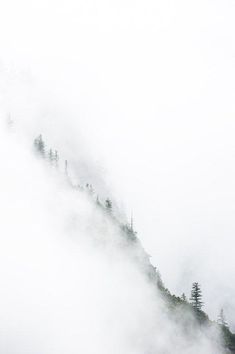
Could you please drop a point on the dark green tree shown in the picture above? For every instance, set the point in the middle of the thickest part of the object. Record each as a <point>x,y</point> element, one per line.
<point>196,296</point>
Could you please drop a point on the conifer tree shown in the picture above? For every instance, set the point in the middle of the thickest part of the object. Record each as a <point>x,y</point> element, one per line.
<point>66,167</point>
<point>221,319</point>
<point>108,205</point>
<point>90,189</point>
<point>35,143</point>
<point>98,200</point>
<point>50,156</point>
<point>39,145</point>
<point>196,296</point>
<point>56,158</point>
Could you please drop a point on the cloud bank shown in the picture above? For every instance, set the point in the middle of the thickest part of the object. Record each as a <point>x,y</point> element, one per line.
<point>68,281</point>
<point>146,90</point>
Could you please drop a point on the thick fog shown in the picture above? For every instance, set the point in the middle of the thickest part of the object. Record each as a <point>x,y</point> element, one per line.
<point>69,282</point>
<point>139,97</point>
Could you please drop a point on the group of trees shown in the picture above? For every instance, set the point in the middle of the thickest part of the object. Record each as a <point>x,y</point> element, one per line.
<point>53,157</point>
<point>197,303</point>
<point>196,293</point>
<point>40,148</point>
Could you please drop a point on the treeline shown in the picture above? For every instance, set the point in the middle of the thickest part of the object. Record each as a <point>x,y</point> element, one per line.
<point>52,156</point>
<point>197,303</point>
<point>194,303</point>
<point>40,149</point>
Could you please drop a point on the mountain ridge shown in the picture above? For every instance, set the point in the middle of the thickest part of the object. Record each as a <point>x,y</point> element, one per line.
<point>192,318</point>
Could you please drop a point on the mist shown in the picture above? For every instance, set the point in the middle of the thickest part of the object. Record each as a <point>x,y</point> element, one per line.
<point>69,281</point>
<point>139,98</point>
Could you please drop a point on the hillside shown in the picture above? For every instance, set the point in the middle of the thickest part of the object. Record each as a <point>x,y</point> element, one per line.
<point>189,319</point>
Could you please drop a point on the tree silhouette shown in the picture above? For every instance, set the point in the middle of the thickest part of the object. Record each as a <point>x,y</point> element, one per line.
<point>221,319</point>
<point>108,205</point>
<point>196,296</point>
<point>66,167</point>
<point>56,158</point>
<point>50,156</point>
<point>39,145</point>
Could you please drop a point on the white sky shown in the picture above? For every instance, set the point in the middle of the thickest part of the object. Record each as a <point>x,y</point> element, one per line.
<point>150,86</point>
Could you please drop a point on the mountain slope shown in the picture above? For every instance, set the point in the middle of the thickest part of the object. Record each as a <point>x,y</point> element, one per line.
<point>75,277</point>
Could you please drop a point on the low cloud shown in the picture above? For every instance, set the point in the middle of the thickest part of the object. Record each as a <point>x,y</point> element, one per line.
<point>69,283</point>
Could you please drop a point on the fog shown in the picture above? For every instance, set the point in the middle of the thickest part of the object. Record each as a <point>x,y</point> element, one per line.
<point>69,281</point>
<point>139,98</point>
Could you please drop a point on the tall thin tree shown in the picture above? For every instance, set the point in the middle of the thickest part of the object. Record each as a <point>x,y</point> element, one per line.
<point>196,296</point>
<point>221,319</point>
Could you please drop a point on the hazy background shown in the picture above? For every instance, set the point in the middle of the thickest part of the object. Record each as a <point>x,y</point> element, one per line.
<point>70,282</point>
<point>144,90</point>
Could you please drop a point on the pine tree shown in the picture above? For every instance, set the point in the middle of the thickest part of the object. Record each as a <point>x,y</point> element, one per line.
<point>50,156</point>
<point>39,145</point>
<point>196,296</point>
<point>66,167</point>
<point>90,189</point>
<point>183,297</point>
<point>108,205</point>
<point>221,319</point>
<point>56,158</point>
<point>35,143</point>
<point>98,201</point>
